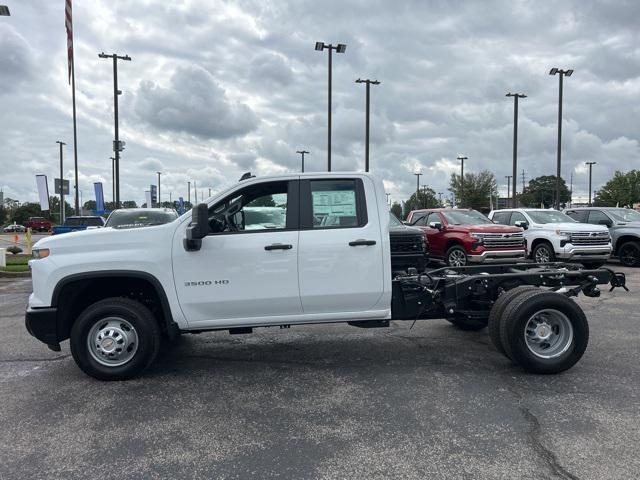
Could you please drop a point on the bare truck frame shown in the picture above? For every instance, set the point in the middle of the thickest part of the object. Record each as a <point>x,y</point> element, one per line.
<point>526,307</point>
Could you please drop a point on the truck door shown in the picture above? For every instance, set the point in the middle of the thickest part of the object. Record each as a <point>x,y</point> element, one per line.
<point>437,239</point>
<point>341,263</point>
<point>248,266</point>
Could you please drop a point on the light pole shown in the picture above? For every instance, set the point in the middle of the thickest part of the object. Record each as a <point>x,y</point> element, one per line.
<point>61,184</point>
<point>302,152</point>
<point>462,159</point>
<point>562,73</point>
<point>508,177</point>
<point>340,48</point>
<point>117,146</point>
<point>189,192</point>
<point>159,197</point>
<point>515,96</point>
<point>368,101</point>
<point>113,180</point>
<point>591,164</point>
<point>418,175</point>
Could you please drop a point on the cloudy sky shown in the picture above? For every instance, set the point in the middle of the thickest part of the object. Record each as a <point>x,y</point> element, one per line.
<point>216,89</point>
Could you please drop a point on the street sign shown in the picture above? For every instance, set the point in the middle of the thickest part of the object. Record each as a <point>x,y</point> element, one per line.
<point>118,146</point>
<point>56,186</point>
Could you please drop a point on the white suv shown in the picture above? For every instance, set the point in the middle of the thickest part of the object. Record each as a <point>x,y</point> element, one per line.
<point>552,235</point>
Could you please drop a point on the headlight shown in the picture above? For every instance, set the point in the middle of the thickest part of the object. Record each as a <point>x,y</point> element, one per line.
<point>38,253</point>
<point>477,236</point>
<point>567,235</point>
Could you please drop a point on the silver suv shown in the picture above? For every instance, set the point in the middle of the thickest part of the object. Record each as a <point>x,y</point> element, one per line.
<point>624,226</point>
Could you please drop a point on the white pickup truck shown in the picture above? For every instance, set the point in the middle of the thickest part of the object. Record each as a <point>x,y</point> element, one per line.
<point>117,293</point>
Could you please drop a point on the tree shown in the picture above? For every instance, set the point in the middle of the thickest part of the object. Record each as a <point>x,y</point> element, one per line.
<point>89,205</point>
<point>425,198</point>
<point>541,191</point>
<point>129,204</point>
<point>3,215</point>
<point>396,209</point>
<point>54,209</point>
<point>478,187</point>
<point>26,210</point>
<point>623,190</point>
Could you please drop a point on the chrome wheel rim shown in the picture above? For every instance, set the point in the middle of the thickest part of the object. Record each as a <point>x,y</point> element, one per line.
<point>548,333</point>
<point>543,255</point>
<point>457,258</point>
<point>112,341</point>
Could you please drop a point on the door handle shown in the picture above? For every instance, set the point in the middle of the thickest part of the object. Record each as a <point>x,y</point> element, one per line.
<point>362,242</point>
<point>278,246</point>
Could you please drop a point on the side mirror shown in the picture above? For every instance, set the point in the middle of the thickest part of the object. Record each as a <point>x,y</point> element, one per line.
<point>605,222</point>
<point>522,224</point>
<point>436,225</point>
<point>198,229</point>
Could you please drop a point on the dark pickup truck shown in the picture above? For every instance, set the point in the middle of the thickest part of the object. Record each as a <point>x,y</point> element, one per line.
<point>74,224</point>
<point>409,248</point>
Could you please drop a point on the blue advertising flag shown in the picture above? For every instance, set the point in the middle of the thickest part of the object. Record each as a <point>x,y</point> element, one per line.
<point>99,198</point>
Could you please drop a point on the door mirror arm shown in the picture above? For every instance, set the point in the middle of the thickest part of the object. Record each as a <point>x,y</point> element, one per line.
<point>198,229</point>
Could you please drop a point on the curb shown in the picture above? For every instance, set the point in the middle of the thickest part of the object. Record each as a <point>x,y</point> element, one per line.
<point>15,274</point>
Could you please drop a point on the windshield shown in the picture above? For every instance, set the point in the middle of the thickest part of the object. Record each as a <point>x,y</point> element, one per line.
<point>465,217</point>
<point>549,216</point>
<point>138,219</point>
<point>393,220</point>
<point>625,215</point>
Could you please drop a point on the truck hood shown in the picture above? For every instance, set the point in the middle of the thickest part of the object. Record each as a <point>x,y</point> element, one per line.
<point>571,227</point>
<point>484,228</point>
<point>632,225</point>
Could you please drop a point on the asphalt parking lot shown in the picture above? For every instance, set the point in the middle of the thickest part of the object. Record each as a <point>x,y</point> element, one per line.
<point>326,402</point>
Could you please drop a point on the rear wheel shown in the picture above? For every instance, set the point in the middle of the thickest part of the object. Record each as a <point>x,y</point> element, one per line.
<point>544,332</point>
<point>629,254</point>
<point>456,256</point>
<point>497,313</point>
<point>543,253</point>
<point>115,339</point>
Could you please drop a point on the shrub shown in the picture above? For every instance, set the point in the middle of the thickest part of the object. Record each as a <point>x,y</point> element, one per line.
<point>14,249</point>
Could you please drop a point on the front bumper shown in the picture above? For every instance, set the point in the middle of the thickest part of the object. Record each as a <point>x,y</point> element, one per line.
<point>42,324</point>
<point>570,252</point>
<point>497,256</point>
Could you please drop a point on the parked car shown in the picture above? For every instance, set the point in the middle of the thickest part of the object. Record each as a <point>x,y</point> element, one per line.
<point>75,224</point>
<point>623,224</point>
<point>551,235</point>
<point>140,217</point>
<point>409,248</point>
<point>38,224</point>
<point>462,236</point>
<point>14,228</point>
<point>120,297</point>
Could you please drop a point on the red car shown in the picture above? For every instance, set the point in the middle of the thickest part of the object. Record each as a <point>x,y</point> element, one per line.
<point>462,236</point>
<point>38,224</point>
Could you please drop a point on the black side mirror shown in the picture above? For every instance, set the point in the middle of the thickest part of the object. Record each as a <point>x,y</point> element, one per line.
<point>436,225</point>
<point>198,229</point>
<point>522,224</point>
<point>605,222</point>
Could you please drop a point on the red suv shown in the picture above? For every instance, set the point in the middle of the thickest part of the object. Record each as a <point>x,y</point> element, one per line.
<point>38,224</point>
<point>461,236</point>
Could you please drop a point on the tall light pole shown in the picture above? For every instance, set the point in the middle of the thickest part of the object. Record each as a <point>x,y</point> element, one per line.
<point>117,145</point>
<point>61,184</point>
<point>515,96</point>
<point>591,164</point>
<point>159,197</point>
<point>562,74</point>
<point>113,180</point>
<point>418,175</point>
<point>508,177</point>
<point>462,159</point>
<point>302,152</point>
<point>368,101</point>
<point>340,48</point>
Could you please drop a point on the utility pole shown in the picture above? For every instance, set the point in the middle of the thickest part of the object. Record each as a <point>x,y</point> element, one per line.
<point>562,74</point>
<point>61,184</point>
<point>159,196</point>
<point>302,152</point>
<point>591,164</point>
<point>117,145</point>
<point>418,175</point>
<point>515,96</point>
<point>366,144</point>
<point>462,159</point>
<point>340,48</point>
<point>509,177</point>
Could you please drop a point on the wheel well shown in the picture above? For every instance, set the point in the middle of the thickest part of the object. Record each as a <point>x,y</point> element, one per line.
<point>537,242</point>
<point>76,294</point>
<point>624,239</point>
<point>453,243</point>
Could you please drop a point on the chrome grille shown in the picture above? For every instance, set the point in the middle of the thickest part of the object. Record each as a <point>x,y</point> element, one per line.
<point>590,238</point>
<point>503,240</point>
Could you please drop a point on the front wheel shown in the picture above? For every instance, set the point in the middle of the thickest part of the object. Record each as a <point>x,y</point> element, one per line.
<point>544,332</point>
<point>629,254</point>
<point>115,339</point>
<point>456,256</point>
<point>543,253</point>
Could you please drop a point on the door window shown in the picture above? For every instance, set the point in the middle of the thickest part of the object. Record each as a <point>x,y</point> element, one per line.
<point>335,203</point>
<point>516,217</point>
<point>578,215</point>
<point>256,208</point>
<point>433,217</point>
<point>596,216</point>
<point>501,217</point>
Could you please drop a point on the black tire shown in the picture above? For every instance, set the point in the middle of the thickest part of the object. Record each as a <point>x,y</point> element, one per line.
<point>147,333</point>
<point>468,324</point>
<point>629,254</point>
<point>524,307</point>
<point>592,265</point>
<point>455,255</point>
<point>497,312</point>
<point>543,249</point>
